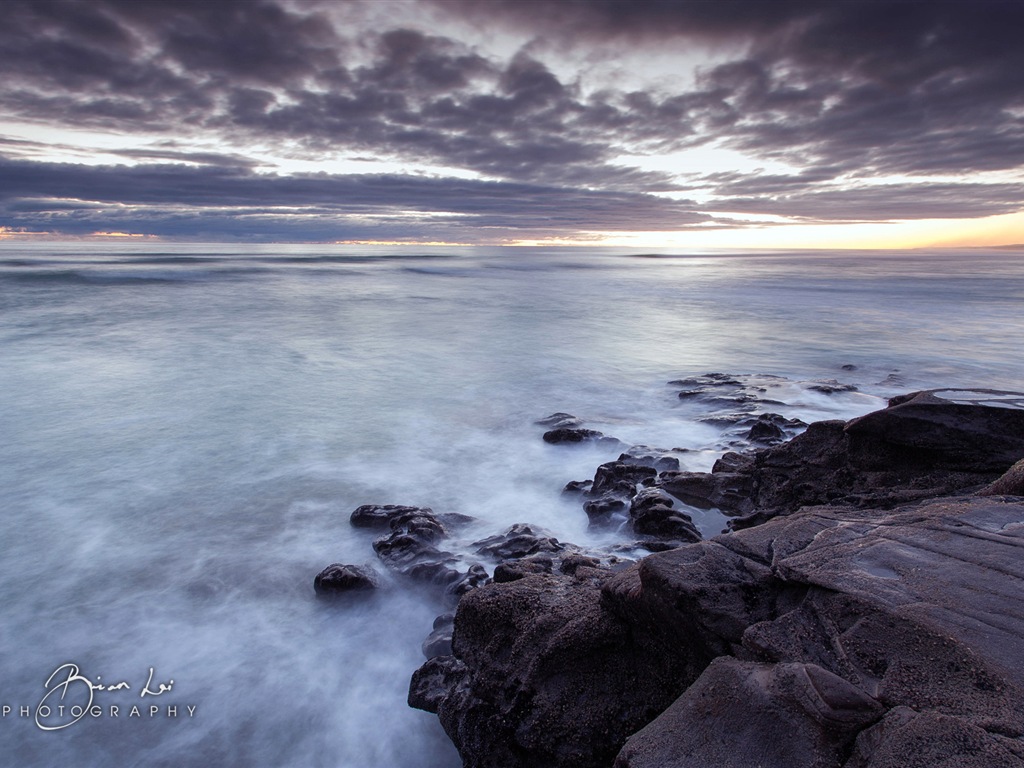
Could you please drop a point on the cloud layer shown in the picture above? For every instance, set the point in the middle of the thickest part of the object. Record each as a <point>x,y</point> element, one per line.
<point>879,110</point>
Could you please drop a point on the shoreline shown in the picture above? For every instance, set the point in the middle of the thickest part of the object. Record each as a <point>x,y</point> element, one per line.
<point>830,613</point>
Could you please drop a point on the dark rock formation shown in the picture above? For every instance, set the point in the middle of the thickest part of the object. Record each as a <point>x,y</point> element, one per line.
<point>614,485</point>
<point>923,445</point>
<point>828,620</point>
<point>559,421</point>
<point>381,515</point>
<point>652,513</point>
<point>830,387</point>
<point>518,541</point>
<point>646,456</point>
<point>543,675</point>
<point>410,547</point>
<point>791,715</point>
<point>338,579</point>
<point>1010,484</point>
<point>851,629</point>
<point>564,435</point>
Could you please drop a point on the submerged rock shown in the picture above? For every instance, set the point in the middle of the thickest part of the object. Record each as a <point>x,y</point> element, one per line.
<point>338,579</point>
<point>570,435</point>
<point>381,515</point>
<point>559,421</point>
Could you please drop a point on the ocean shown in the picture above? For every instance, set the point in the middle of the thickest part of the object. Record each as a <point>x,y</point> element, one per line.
<point>185,429</point>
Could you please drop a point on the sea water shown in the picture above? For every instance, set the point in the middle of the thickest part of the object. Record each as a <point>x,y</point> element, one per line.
<point>185,429</point>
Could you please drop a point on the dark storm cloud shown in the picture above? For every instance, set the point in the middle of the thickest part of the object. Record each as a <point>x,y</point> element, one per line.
<point>901,86</point>
<point>846,90</point>
<point>877,202</point>
<point>76,198</point>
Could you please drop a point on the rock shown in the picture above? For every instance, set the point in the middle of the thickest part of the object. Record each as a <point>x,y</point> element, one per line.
<point>1010,484</point>
<point>572,563</point>
<point>645,456</point>
<point>764,431</point>
<point>543,675</point>
<point>338,579</point>
<point>559,421</point>
<point>651,512</point>
<point>924,445</point>
<point>615,485</point>
<point>620,478</point>
<point>518,541</point>
<point>410,551</point>
<point>728,491</point>
<point>908,739</point>
<point>518,569</point>
<point>381,515</point>
<point>577,486</point>
<point>791,715</point>
<point>439,641</point>
<point>602,511</point>
<point>432,682</point>
<point>821,622</point>
<point>474,578</point>
<point>575,435</point>
<point>958,430</point>
<point>831,387</point>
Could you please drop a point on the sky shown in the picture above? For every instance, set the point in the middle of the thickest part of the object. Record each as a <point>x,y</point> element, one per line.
<point>645,123</point>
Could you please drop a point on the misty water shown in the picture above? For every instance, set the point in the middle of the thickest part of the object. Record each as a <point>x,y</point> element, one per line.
<point>186,429</point>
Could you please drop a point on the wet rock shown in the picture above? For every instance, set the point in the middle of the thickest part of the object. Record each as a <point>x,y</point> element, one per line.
<point>652,512</point>
<point>474,578</point>
<point>518,541</point>
<point>831,387</point>
<point>708,380</point>
<point>431,683</point>
<point>602,511</point>
<point>572,563</point>
<point>381,515</point>
<point>514,570</point>
<point>645,456</point>
<point>614,484</point>
<point>565,435</point>
<point>338,579</point>
<point>792,715</point>
<point>559,421</point>
<point>923,445</point>
<point>578,486</point>
<point>410,548</point>
<point>821,622</point>
<point>764,431</point>
<point>621,478</point>
<point>439,641</point>
<point>729,492</point>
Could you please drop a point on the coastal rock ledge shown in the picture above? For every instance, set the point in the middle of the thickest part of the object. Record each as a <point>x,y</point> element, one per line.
<point>834,635</point>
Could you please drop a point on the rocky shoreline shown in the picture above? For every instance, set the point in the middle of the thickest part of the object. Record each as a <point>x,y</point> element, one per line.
<point>863,611</point>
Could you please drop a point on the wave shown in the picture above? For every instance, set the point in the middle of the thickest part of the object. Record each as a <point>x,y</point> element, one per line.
<point>124,277</point>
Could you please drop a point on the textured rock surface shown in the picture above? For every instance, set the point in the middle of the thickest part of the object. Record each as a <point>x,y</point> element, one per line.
<point>849,629</point>
<point>544,674</point>
<point>914,608</point>
<point>741,714</point>
<point>924,445</point>
<point>339,579</point>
